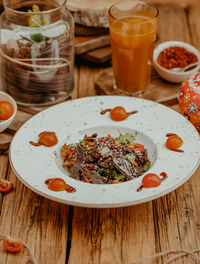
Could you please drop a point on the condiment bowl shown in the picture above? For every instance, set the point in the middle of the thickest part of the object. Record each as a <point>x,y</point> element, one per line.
<point>6,123</point>
<point>171,75</point>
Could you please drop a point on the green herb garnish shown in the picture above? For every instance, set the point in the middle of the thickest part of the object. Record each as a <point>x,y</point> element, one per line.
<point>83,141</point>
<point>101,171</point>
<point>119,177</point>
<point>130,157</point>
<point>105,151</point>
<point>125,139</point>
<point>116,175</point>
<point>147,165</point>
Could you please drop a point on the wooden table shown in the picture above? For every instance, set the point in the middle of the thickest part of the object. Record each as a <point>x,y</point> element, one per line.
<point>61,234</point>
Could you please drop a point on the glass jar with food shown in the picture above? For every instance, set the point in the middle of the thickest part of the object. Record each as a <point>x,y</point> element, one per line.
<point>37,51</point>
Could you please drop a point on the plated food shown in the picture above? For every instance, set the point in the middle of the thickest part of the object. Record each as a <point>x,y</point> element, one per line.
<point>105,159</point>
<point>36,165</point>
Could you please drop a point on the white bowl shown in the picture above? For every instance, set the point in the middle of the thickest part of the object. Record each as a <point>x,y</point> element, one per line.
<point>6,123</point>
<point>170,75</point>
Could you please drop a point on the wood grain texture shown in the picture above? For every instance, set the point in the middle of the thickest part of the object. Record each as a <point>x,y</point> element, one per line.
<point>112,235</point>
<point>86,80</point>
<point>173,23</point>
<point>7,135</point>
<point>41,223</point>
<point>89,12</point>
<point>91,44</point>
<point>98,56</point>
<point>194,24</point>
<point>3,171</point>
<point>89,31</point>
<point>177,219</point>
<point>5,140</point>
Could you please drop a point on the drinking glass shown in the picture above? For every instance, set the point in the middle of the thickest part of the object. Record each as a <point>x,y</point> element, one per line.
<point>133,28</point>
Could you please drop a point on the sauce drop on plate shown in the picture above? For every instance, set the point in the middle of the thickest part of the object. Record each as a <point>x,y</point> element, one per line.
<point>118,113</point>
<point>164,177</point>
<point>58,184</point>
<point>174,142</point>
<point>46,138</point>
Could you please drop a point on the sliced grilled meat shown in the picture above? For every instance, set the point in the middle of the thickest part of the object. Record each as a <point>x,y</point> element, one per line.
<point>125,167</point>
<point>92,175</point>
<point>74,172</point>
<point>141,157</point>
<point>81,156</point>
<point>106,163</point>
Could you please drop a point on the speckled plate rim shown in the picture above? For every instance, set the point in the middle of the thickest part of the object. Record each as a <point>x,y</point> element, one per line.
<point>102,102</point>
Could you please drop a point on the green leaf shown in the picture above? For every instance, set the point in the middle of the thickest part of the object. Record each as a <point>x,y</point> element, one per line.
<point>119,177</point>
<point>101,171</point>
<point>147,165</point>
<point>125,139</point>
<point>115,175</point>
<point>130,157</point>
<point>36,37</point>
<point>83,142</point>
<point>104,151</point>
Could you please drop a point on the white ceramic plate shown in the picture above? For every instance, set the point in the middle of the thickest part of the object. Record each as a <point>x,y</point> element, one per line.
<point>73,119</point>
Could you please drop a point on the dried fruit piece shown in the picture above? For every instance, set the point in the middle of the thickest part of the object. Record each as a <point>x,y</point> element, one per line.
<point>5,186</point>
<point>12,245</point>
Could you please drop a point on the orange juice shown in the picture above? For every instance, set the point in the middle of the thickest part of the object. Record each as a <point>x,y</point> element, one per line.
<point>132,42</point>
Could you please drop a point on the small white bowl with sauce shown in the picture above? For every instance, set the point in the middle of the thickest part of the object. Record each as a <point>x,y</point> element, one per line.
<point>6,123</point>
<point>173,75</point>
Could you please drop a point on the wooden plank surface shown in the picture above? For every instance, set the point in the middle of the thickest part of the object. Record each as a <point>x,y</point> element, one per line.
<point>41,223</point>
<point>63,234</point>
<point>85,44</point>
<point>112,235</point>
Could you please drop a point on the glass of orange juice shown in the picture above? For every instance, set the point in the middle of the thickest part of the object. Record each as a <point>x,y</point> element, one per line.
<point>133,28</point>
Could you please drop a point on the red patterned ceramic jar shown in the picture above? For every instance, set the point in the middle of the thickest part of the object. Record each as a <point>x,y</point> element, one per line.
<point>189,99</point>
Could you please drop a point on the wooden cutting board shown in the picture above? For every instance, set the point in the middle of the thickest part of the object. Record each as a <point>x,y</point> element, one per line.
<point>92,13</point>
<point>93,48</point>
<point>84,44</point>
